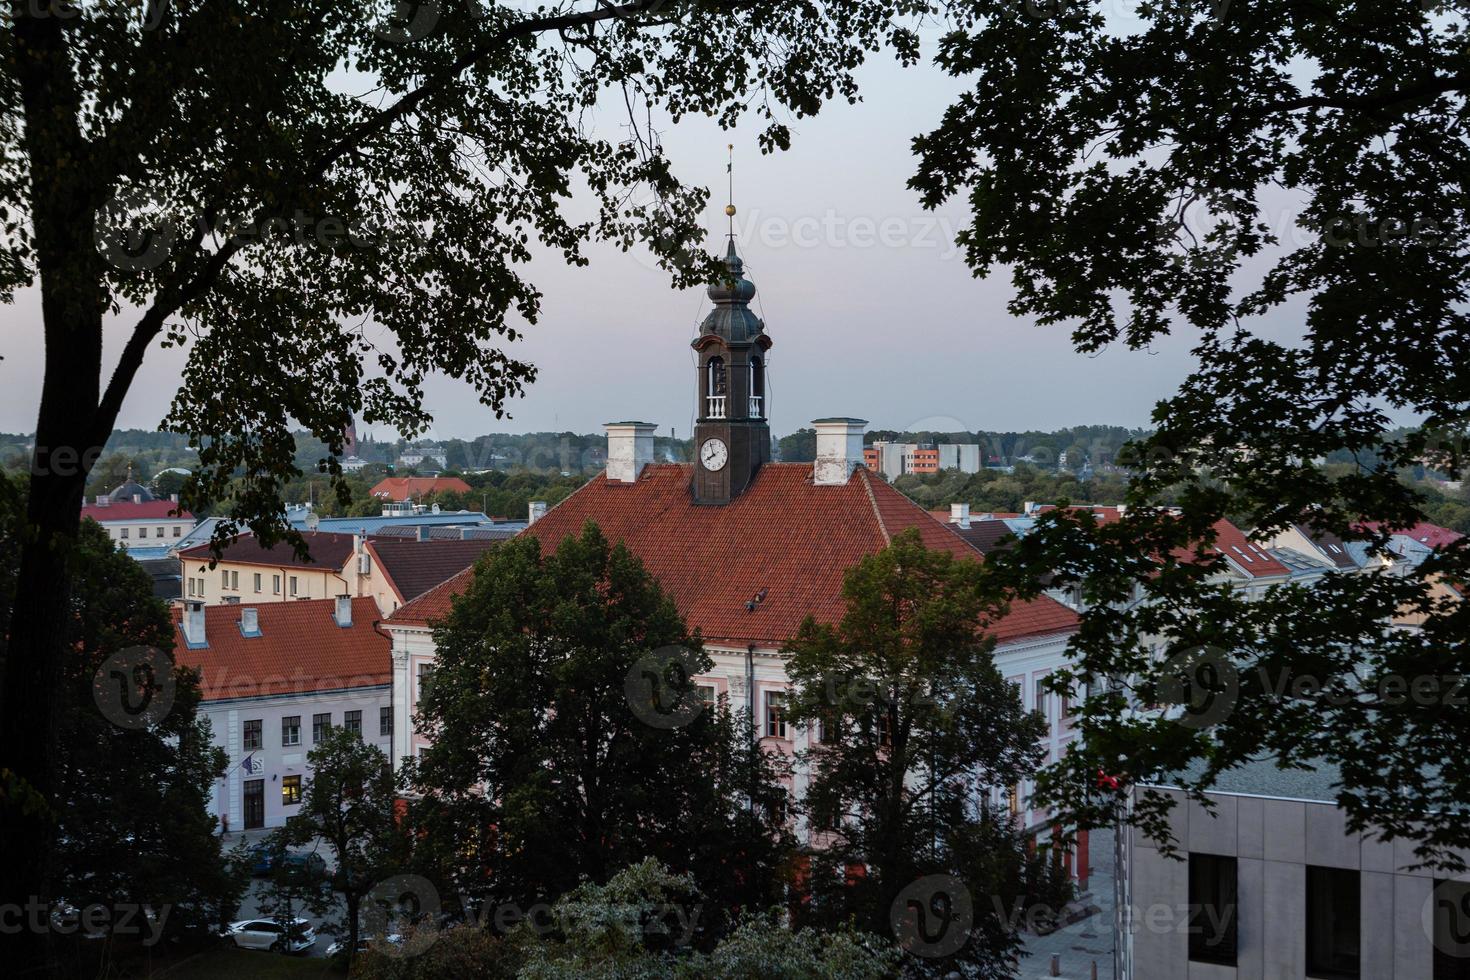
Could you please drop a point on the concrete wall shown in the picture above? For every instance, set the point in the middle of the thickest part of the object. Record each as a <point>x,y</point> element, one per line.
<point>1274,841</point>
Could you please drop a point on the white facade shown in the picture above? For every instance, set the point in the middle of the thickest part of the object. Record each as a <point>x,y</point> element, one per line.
<point>1024,663</point>
<point>272,768</point>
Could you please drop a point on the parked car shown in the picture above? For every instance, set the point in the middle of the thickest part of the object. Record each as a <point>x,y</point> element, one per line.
<point>268,934</point>
<point>262,859</point>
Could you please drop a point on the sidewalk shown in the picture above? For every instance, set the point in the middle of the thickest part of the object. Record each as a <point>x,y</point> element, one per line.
<point>1086,941</point>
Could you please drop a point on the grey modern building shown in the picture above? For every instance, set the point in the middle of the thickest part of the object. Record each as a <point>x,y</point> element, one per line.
<point>1272,885</point>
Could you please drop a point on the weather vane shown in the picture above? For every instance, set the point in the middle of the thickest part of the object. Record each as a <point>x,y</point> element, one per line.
<point>730,207</point>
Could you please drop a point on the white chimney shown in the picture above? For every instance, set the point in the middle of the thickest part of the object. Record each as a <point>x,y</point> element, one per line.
<point>959,514</point>
<point>629,449</point>
<point>421,533</point>
<point>839,450</point>
<point>343,612</point>
<point>194,623</point>
<point>250,621</point>
<point>538,510</point>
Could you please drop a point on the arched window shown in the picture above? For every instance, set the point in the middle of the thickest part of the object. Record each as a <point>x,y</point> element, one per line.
<point>718,385</point>
<point>757,388</point>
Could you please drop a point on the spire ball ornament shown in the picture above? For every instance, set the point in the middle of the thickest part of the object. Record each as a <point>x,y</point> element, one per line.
<point>730,210</point>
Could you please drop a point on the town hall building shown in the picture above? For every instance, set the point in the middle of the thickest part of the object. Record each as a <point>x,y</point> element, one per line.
<point>747,548</point>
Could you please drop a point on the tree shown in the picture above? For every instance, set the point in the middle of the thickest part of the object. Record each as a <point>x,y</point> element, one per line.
<point>914,727</point>
<point>350,803</point>
<point>137,764</point>
<point>200,172</point>
<point>546,769</point>
<point>1184,170</point>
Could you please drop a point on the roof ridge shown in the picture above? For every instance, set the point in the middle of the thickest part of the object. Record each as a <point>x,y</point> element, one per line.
<point>873,502</point>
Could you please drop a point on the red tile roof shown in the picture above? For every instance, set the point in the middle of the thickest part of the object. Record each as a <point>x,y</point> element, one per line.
<point>126,510</point>
<point>410,487</point>
<point>783,534</point>
<point>1429,535</point>
<point>414,567</point>
<point>300,649</point>
<point>327,549</point>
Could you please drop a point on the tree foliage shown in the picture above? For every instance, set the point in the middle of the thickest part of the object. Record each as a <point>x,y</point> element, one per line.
<point>1224,169</point>
<point>914,728</point>
<point>541,773</point>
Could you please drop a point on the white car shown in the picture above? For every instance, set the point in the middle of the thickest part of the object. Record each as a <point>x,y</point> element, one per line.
<point>268,934</point>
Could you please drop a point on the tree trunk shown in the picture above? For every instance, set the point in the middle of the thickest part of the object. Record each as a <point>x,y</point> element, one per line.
<point>71,275</point>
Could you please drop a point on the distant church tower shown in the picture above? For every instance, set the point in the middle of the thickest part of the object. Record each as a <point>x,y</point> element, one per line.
<point>349,438</point>
<point>731,437</point>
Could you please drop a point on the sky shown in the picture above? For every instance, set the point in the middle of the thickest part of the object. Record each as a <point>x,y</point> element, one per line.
<point>872,310</point>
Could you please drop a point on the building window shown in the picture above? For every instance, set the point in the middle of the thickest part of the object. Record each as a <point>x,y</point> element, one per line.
<point>1013,800</point>
<point>1334,923</point>
<point>707,695</point>
<point>125,534</point>
<point>775,714</point>
<point>251,734</point>
<point>426,673</point>
<point>276,584</point>
<point>320,725</point>
<point>1212,909</point>
<point>142,532</point>
<point>290,790</point>
<point>1451,914</point>
<point>257,581</point>
<point>224,579</point>
<point>160,532</point>
<point>352,721</point>
<point>293,584</point>
<point>291,730</point>
<point>385,721</point>
<point>1041,697</point>
<point>178,531</point>
<point>884,726</point>
<point>235,581</point>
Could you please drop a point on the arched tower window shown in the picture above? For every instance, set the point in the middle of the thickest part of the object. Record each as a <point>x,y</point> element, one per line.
<point>757,388</point>
<point>717,388</point>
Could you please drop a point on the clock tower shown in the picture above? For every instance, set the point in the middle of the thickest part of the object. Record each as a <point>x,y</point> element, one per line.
<point>731,437</point>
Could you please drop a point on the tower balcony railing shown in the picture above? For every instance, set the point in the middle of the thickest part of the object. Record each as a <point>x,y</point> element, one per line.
<point>755,407</point>
<point>715,407</point>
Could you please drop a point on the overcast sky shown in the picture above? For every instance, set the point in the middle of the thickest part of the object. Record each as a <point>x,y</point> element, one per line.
<point>872,310</point>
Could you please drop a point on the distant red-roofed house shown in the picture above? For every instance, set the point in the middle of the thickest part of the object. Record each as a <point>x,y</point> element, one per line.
<point>275,677</point>
<point>400,488</point>
<point>139,523</point>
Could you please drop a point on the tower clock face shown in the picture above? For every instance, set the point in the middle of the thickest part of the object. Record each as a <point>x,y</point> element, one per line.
<point>713,455</point>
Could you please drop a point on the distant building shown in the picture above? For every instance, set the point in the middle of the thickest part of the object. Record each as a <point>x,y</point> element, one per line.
<point>275,679</point>
<point>136,520</point>
<point>415,456</point>
<point>417,487</point>
<point>392,569</point>
<point>896,459</point>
